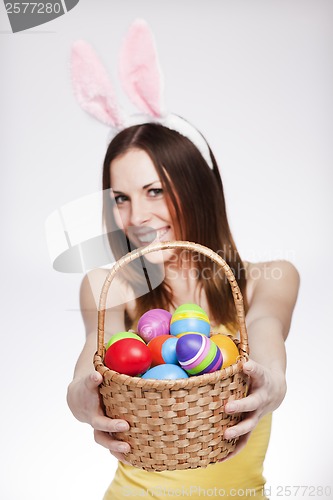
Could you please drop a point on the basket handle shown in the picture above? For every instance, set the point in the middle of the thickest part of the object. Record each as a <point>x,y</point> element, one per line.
<point>135,254</point>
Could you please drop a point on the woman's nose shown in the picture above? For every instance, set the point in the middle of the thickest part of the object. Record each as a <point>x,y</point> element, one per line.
<point>139,212</point>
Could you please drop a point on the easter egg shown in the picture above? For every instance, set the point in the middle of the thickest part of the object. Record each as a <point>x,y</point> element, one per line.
<point>123,335</point>
<point>227,347</point>
<point>165,372</point>
<point>189,318</point>
<point>163,349</point>
<point>184,333</point>
<point>129,356</point>
<point>154,323</point>
<point>197,354</point>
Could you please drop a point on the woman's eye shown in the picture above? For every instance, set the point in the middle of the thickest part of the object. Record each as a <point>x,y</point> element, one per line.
<point>120,198</point>
<point>154,192</point>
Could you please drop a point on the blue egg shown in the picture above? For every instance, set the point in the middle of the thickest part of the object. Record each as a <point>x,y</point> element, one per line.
<point>193,325</point>
<point>168,350</point>
<point>165,372</point>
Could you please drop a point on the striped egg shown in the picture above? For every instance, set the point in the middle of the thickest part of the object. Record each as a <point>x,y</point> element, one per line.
<point>197,354</point>
<point>189,318</point>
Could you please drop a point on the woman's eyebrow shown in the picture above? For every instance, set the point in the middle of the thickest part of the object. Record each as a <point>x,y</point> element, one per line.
<point>150,184</point>
<point>146,186</point>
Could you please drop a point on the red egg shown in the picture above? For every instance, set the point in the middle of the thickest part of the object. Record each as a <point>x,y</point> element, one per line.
<point>128,356</point>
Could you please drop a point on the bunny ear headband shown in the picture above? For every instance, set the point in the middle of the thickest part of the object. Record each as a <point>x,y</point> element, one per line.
<point>141,79</point>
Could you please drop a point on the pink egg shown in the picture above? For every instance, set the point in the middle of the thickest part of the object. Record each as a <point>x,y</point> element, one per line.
<point>154,323</point>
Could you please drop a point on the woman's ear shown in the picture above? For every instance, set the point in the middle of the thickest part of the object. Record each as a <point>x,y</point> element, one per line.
<point>139,69</point>
<point>92,86</point>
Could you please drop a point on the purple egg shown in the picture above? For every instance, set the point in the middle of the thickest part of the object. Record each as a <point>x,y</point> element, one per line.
<point>190,345</point>
<point>197,354</point>
<point>154,323</point>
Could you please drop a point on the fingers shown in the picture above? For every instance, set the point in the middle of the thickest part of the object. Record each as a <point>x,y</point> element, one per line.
<point>250,403</point>
<point>258,393</point>
<point>254,370</point>
<point>243,427</point>
<point>106,424</point>
<point>121,457</point>
<point>107,441</point>
<point>117,448</point>
<point>93,380</point>
<point>239,446</point>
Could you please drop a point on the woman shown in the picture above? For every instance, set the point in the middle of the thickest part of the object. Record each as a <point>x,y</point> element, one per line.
<point>163,188</point>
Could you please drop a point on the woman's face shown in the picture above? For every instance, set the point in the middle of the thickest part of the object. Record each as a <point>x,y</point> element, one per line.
<point>141,209</point>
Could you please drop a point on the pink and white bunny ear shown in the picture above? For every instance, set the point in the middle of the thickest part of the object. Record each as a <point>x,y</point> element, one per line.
<point>92,86</point>
<point>139,69</point>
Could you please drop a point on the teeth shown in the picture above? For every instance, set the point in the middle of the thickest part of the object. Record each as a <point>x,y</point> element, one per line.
<point>152,235</point>
<point>147,238</point>
<point>161,233</point>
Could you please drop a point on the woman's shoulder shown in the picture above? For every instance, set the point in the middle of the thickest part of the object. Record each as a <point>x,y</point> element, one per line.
<point>270,268</point>
<point>115,304</point>
<point>265,276</point>
<point>118,295</point>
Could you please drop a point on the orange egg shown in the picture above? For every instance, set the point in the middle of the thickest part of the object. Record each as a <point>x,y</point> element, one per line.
<point>228,348</point>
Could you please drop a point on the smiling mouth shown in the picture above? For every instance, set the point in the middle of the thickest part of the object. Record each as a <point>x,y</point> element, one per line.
<point>150,236</point>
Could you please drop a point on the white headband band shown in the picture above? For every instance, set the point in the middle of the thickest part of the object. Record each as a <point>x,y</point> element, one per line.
<point>173,122</point>
<point>141,78</point>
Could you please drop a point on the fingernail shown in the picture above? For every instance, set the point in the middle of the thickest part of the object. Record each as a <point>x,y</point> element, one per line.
<point>123,448</point>
<point>122,426</point>
<point>231,434</point>
<point>231,407</point>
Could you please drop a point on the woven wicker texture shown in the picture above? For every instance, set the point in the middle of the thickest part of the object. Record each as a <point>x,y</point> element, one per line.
<point>174,424</point>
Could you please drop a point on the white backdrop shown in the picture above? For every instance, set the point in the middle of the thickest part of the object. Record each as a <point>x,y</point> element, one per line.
<point>256,77</point>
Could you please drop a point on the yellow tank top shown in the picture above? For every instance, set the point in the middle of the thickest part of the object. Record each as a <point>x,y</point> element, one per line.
<point>238,477</point>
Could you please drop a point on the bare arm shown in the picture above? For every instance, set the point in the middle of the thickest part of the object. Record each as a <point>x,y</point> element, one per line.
<point>271,303</point>
<point>83,394</point>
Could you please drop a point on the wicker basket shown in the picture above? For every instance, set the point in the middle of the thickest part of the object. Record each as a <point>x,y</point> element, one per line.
<point>174,424</point>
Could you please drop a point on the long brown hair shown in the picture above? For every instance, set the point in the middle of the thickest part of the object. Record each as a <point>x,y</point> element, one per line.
<point>195,197</point>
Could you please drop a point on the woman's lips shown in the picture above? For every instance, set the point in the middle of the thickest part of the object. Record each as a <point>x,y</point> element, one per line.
<point>149,236</point>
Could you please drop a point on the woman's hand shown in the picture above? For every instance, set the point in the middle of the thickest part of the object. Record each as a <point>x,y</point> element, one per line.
<point>267,388</point>
<point>84,401</point>
<point>271,296</point>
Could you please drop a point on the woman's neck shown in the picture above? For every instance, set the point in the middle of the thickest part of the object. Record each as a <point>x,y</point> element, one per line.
<point>185,285</point>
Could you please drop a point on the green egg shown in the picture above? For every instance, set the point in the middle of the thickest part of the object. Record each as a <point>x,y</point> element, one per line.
<point>189,311</point>
<point>123,335</point>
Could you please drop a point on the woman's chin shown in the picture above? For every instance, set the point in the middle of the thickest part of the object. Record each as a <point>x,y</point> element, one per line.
<point>159,256</point>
